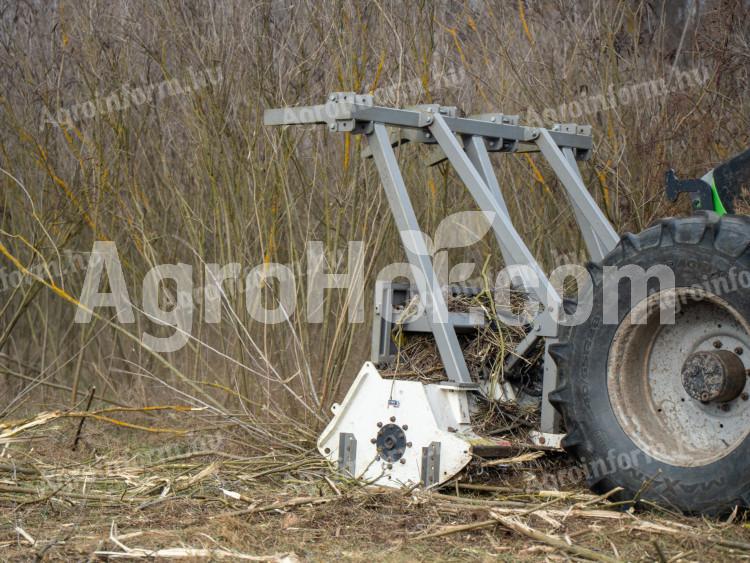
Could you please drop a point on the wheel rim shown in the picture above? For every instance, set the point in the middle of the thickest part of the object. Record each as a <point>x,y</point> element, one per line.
<point>645,378</point>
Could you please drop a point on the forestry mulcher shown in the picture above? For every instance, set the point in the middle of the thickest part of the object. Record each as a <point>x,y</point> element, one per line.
<point>656,407</point>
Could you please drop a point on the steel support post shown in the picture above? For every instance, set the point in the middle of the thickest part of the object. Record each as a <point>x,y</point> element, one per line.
<point>476,150</point>
<point>503,227</point>
<point>597,231</point>
<point>418,256</point>
<point>549,420</point>
<point>597,249</point>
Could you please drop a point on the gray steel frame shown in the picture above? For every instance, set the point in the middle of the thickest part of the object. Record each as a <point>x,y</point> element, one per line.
<point>390,310</point>
<point>465,143</point>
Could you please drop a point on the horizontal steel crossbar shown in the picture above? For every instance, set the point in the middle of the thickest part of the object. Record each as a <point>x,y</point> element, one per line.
<point>350,112</point>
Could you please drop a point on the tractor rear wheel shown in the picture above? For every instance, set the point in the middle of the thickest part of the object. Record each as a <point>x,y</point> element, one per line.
<point>662,409</point>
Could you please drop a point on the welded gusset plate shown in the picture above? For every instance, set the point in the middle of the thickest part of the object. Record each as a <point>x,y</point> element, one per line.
<point>399,433</point>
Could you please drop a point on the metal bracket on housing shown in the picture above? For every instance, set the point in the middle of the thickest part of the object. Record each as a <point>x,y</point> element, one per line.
<point>347,460</point>
<point>436,155</point>
<point>431,464</point>
<point>575,129</point>
<point>546,440</point>
<point>402,136</point>
<point>336,113</point>
<point>549,419</point>
<point>699,191</point>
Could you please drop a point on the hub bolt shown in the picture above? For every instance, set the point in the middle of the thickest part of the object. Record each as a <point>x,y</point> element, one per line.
<point>380,425</point>
<point>405,427</point>
<point>738,350</point>
<point>402,461</point>
<point>389,466</point>
<point>745,396</point>
<point>408,444</point>
<point>373,440</point>
<point>717,344</point>
<point>393,419</point>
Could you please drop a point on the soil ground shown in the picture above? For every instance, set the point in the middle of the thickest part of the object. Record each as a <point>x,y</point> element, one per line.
<point>125,493</point>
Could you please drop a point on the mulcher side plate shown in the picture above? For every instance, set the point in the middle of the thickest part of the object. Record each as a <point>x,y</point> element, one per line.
<point>397,433</point>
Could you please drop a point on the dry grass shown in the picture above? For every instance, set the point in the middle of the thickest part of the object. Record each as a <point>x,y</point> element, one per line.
<point>195,178</point>
<point>119,491</point>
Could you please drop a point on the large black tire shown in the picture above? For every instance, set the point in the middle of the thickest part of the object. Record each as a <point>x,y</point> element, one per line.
<point>700,248</point>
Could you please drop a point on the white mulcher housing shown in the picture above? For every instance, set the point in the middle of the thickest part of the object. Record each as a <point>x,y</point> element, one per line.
<point>597,396</point>
<point>398,433</point>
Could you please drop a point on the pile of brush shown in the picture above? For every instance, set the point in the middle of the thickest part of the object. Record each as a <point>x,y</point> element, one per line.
<point>485,351</point>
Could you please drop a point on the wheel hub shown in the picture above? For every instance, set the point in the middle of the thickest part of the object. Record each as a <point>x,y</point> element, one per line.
<point>713,377</point>
<point>676,388</point>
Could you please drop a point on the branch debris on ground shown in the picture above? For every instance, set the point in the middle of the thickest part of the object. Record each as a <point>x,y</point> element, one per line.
<point>110,501</point>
